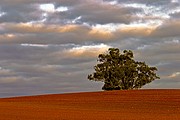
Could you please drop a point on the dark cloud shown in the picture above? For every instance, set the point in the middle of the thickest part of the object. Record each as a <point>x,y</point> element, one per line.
<point>94,12</point>
<point>167,29</point>
<point>20,13</point>
<point>175,15</point>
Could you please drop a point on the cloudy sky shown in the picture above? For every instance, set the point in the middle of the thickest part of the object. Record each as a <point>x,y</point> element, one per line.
<point>50,46</point>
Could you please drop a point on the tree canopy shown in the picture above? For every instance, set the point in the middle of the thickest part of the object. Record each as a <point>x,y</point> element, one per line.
<point>119,71</point>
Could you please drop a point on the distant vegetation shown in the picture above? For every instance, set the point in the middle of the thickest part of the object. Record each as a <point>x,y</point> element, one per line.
<point>119,71</point>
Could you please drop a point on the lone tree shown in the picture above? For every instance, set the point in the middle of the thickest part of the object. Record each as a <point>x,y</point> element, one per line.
<point>119,71</point>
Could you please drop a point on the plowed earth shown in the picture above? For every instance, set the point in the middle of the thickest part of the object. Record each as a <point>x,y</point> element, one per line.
<point>112,105</point>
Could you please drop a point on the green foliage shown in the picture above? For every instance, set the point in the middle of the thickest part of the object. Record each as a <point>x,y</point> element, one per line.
<point>119,71</point>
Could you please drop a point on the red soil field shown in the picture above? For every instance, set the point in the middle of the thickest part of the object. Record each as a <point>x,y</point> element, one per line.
<point>107,105</point>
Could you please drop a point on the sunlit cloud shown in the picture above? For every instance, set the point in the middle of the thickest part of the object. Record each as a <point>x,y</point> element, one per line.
<point>62,9</point>
<point>40,28</point>
<point>7,36</point>
<point>51,8</point>
<point>113,2</point>
<point>10,35</point>
<point>34,45</point>
<point>2,13</point>
<point>135,30</point>
<point>174,1</point>
<point>107,27</point>
<point>87,51</point>
<point>175,75</point>
<point>101,34</point>
<point>48,7</point>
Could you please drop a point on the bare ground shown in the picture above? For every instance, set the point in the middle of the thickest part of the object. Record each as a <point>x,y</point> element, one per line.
<point>112,105</point>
